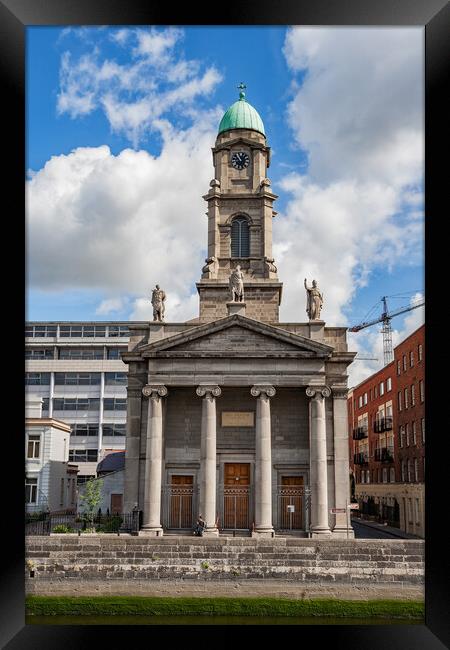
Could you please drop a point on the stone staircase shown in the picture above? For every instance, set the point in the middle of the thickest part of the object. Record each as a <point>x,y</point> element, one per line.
<point>110,557</point>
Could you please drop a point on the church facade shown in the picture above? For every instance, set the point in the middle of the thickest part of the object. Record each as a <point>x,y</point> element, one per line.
<point>235,415</point>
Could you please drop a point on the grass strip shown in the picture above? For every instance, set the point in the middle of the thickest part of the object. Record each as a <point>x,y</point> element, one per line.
<point>152,606</point>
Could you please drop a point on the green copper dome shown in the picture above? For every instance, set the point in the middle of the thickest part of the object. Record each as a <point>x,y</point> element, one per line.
<point>241,115</point>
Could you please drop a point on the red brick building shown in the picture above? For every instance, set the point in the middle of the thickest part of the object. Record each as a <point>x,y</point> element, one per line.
<point>386,415</point>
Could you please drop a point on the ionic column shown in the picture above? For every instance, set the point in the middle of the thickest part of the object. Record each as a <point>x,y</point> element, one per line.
<point>341,462</point>
<point>153,462</point>
<point>208,457</point>
<point>263,462</point>
<point>318,461</point>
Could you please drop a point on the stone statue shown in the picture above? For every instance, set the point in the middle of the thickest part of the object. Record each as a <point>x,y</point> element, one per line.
<point>158,298</point>
<point>210,265</point>
<point>314,301</point>
<point>236,284</point>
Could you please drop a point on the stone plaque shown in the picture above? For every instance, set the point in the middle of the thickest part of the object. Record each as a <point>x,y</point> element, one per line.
<point>238,418</point>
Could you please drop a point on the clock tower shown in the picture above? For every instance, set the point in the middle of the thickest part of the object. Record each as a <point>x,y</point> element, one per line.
<point>240,212</point>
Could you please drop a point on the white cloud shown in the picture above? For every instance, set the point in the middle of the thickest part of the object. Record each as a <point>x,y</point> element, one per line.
<point>124,223</point>
<point>358,113</point>
<point>133,95</point>
<point>111,305</point>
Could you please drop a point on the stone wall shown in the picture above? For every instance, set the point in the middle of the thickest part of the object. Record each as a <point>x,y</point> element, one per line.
<point>109,557</point>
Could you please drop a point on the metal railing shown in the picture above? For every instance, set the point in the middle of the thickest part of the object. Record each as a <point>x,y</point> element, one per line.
<point>235,508</point>
<point>360,458</point>
<point>383,424</point>
<point>383,455</point>
<point>360,432</point>
<point>293,507</point>
<point>44,523</point>
<point>179,506</point>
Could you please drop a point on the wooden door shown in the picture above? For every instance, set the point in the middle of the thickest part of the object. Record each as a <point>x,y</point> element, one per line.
<point>291,494</point>
<point>181,497</point>
<point>236,510</point>
<point>116,504</point>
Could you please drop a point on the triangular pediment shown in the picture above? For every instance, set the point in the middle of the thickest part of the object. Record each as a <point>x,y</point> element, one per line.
<point>238,336</point>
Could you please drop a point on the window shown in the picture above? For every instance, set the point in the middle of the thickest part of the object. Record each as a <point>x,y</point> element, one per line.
<point>399,397</point>
<point>365,399</point>
<point>76,404</point>
<point>421,391</point>
<point>411,359</point>
<point>391,475</point>
<point>419,352</point>
<point>422,427</point>
<point>77,378</point>
<point>398,367</point>
<point>240,238</point>
<point>382,388</point>
<point>83,455</point>
<point>30,490</point>
<point>413,427</point>
<point>407,434</point>
<point>115,353</point>
<point>389,384</point>
<point>409,471</point>
<point>413,395</point>
<point>119,330</point>
<point>375,390</point>
<point>39,353</point>
<point>84,430</point>
<point>78,331</point>
<point>81,353</point>
<point>45,404</point>
<point>114,429</point>
<point>406,398</point>
<point>404,362</point>
<point>403,471</point>
<point>401,434</point>
<point>40,331</point>
<point>363,477</point>
<point>114,404</point>
<point>367,476</point>
<point>416,470</point>
<point>360,401</point>
<point>385,480</point>
<point>37,379</point>
<point>34,445</point>
<point>115,378</point>
<point>84,478</point>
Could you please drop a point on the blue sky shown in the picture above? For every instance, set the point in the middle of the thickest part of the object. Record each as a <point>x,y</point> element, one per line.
<point>120,125</point>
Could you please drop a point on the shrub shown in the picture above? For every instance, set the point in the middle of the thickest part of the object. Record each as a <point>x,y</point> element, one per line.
<point>62,528</point>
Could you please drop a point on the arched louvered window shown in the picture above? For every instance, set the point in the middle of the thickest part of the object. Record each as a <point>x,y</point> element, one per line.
<point>240,238</point>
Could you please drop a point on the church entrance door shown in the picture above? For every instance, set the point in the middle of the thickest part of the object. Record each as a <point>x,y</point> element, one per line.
<point>291,503</point>
<point>236,496</point>
<point>181,502</point>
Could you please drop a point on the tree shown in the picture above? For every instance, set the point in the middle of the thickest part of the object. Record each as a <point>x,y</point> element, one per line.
<point>91,498</point>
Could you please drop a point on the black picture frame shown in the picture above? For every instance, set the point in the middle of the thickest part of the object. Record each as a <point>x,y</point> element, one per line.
<point>15,17</point>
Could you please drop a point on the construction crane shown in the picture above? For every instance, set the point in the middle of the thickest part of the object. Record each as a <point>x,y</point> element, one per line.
<point>386,330</point>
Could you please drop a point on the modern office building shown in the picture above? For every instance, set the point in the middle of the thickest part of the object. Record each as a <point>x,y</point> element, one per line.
<point>76,368</point>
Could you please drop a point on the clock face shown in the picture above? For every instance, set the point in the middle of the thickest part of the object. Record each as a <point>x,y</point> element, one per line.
<point>240,159</point>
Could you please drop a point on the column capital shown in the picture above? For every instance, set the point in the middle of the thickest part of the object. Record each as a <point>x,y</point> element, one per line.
<point>316,392</point>
<point>154,390</point>
<point>208,389</point>
<point>259,389</point>
<point>339,392</point>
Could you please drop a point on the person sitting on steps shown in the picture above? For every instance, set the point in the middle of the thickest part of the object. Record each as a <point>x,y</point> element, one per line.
<point>200,526</point>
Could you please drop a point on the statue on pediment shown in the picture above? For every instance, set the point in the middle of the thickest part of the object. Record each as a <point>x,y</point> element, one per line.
<point>158,298</point>
<point>314,301</point>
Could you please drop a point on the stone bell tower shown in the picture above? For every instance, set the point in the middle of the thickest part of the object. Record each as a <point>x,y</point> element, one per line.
<point>240,213</point>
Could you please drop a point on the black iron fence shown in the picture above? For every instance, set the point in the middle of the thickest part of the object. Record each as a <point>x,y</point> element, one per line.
<point>361,458</point>
<point>384,455</point>
<point>360,432</point>
<point>383,424</point>
<point>44,523</point>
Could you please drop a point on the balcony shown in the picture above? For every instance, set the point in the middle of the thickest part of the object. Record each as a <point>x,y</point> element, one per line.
<point>384,455</point>
<point>360,432</point>
<point>383,424</point>
<point>360,458</point>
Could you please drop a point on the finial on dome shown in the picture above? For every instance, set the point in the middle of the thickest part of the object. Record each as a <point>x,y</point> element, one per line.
<point>242,87</point>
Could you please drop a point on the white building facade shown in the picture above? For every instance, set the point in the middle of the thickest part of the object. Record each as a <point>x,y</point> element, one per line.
<point>76,368</point>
